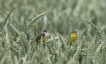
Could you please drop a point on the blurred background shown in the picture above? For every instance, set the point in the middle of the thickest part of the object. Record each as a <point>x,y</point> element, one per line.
<point>62,15</point>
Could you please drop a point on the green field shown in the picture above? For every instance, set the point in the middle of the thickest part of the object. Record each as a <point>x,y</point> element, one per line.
<point>22,20</point>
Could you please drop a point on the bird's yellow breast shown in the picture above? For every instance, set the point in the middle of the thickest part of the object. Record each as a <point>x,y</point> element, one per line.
<point>73,37</point>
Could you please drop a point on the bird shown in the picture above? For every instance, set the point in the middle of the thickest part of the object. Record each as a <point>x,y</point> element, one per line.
<point>43,36</point>
<point>73,37</point>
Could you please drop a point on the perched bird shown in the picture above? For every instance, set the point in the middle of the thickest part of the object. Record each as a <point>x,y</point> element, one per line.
<point>73,37</point>
<point>42,36</point>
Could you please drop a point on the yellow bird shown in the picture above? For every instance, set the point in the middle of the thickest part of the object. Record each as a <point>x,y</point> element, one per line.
<point>73,37</point>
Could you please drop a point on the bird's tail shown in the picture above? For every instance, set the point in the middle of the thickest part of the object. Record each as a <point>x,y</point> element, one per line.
<point>70,43</point>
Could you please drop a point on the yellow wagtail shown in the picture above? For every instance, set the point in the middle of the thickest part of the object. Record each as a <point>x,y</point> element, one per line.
<point>42,36</point>
<point>73,37</point>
